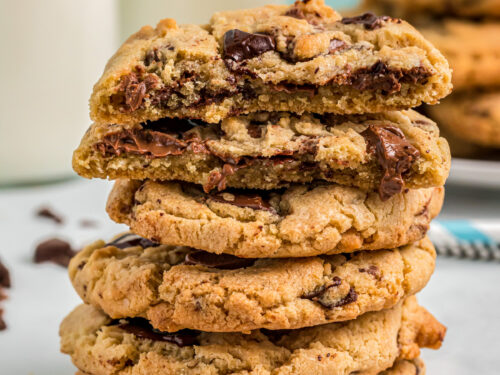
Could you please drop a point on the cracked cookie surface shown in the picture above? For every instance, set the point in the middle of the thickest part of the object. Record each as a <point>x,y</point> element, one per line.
<point>303,57</point>
<point>472,116</point>
<point>369,344</point>
<point>401,367</point>
<point>178,287</point>
<point>296,222</point>
<point>385,152</point>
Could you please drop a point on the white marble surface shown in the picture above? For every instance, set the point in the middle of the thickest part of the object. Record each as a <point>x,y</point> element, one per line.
<point>465,295</point>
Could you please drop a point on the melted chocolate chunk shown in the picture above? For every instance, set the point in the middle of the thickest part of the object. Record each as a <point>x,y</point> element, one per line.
<point>318,294</point>
<point>336,45</point>
<point>47,213</point>
<point>135,88</point>
<point>252,201</point>
<point>369,20</point>
<point>54,250</point>
<point>142,329</point>
<point>131,240</point>
<point>218,179</point>
<point>320,291</point>
<point>394,154</point>
<point>239,45</point>
<point>4,276</point>
<point>219,261</point>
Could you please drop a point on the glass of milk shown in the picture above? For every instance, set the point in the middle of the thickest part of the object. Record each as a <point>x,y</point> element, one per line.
<point>53,51</point>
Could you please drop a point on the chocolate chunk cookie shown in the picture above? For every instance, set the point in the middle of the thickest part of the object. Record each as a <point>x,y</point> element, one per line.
<point>299,221</point>
<point>178,287</point>
<point>370,344</point>
<point>385,152</point>
<point>473,117</point>
<point>460,8</point>
<point>298,58</point>
<point>472,49</point>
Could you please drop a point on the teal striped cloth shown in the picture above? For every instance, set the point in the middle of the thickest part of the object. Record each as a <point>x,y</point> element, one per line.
<point>472,239</point>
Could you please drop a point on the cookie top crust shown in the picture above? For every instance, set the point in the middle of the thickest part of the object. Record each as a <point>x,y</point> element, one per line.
<point>304,220</point>
<point>178,287</point>
<point>370,344</point>
<point>290,58</point>
<point>387,152</point>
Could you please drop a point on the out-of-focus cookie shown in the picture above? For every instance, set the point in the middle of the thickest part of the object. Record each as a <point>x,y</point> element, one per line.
<point>473,117</point>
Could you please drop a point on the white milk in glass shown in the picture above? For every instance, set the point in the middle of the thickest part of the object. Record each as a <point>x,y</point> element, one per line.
<point>53,51</point>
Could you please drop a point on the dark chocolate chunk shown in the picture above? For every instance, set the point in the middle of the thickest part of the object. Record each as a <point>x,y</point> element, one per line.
<point>336,45</point>
<point>47,213</point>
<point>318,295</point>
<point>4,276</point>
<point>254,131</point>
<point>252,201</point>
<point>319,291</point>
<point>394,154</point>
<point>218,179</point>
<point>369,20</point>
<point>153,55</point>
<point>131,240</point>
<point>372,270</point>
<point>350,297</point>
<point>219,261</point>
<point>54,250</point>
<point>142,329</point>
<point>134,89</point>
<point>240,45</point>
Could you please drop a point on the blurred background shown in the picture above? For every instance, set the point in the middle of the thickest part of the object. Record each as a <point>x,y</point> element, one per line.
<point>53,51</point>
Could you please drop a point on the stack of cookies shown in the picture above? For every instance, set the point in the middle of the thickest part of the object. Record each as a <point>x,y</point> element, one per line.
<point>468,34</point>
<point>278,188</point>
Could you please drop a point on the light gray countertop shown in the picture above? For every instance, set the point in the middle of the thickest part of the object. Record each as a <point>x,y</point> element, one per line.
<point>464,295</point>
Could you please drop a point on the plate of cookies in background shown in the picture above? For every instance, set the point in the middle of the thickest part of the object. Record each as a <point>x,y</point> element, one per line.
<point>468,34</point>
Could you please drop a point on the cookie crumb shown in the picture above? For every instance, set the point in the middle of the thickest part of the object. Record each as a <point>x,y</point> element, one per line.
<point>47,213</point>
<point>88,223</point>
<point>54,250</point>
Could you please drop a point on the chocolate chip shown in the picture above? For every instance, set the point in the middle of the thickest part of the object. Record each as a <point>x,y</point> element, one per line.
<point>252,201</point>
<point>254,131</point>
<point>336,45</point>
<point>219,261</point>
<point>319,291</point>
<point>372,270</point>
<point>54,250</point>
<point>219,178</point>
<point>47,213</point>
<point>319,295</point>
<point>88,223</point>
<point>4,276</point>
<point>142,329</point>
<point>132,240</point>
<point>153,55</point>
<point>394,154</point>
<point>369,20</point>
<point>240,45</point>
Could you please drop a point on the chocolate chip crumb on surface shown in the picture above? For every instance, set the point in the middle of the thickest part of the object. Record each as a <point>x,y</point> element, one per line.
<point>48,213</point>
<point>4,276</point>
<point>54,250</point>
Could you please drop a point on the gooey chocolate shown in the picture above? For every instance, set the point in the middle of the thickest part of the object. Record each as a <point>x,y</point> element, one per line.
<point>394,154</point>
<point>132,240</point>
<point>142,329</point>
<point>239,45</point>
<point>369,20</point>
<point>219,261</point>
<point>252,201</point>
